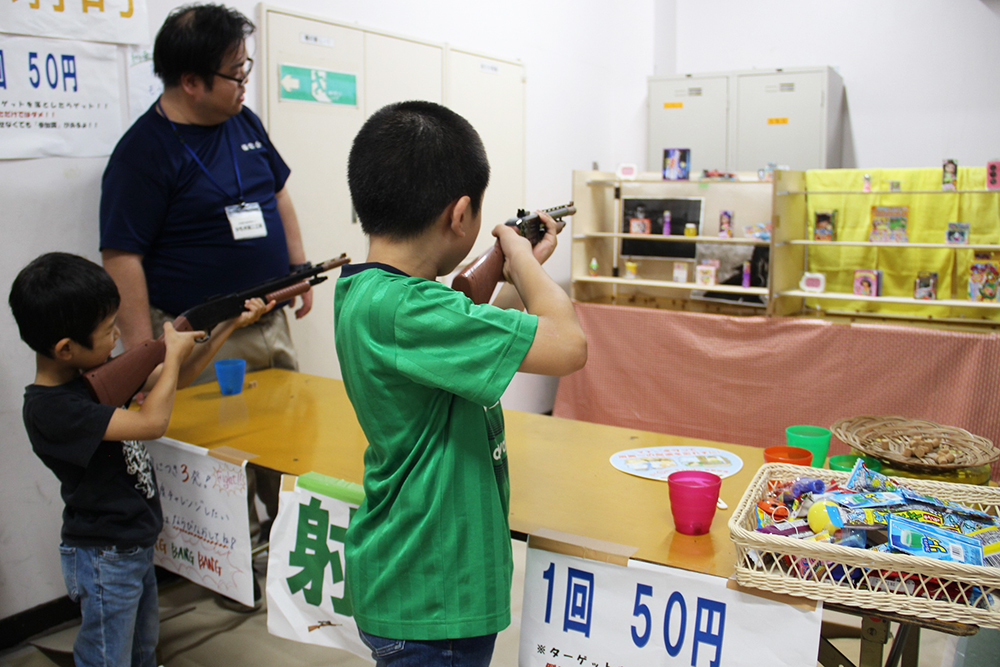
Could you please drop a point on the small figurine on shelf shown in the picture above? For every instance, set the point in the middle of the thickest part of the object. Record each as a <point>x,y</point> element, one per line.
<point>631,270</point>
<point>894,186</point>
<point>725,224</point>
<point>746,273</point>
<point>593,267</point>
<point>690,229</point>
<point>866,184</point>
<point>666,223</point>
<point>949,175</point>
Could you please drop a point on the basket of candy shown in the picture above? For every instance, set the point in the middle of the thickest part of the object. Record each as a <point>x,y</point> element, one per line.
<point>915,547</point>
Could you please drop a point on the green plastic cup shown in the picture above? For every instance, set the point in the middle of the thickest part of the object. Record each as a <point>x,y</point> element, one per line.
<point>845,462</point>
<point>814,438</point>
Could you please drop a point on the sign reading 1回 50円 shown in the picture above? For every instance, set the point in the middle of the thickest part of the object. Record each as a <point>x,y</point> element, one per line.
<point>309,84</point>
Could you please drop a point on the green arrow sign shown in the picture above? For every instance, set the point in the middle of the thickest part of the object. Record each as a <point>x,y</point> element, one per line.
<point>309,84</point>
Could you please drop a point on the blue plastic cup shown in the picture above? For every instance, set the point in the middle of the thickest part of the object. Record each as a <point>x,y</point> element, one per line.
<point>229,373</point>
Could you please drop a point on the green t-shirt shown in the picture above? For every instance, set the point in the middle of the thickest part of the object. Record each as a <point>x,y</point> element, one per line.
<point>428,552</point>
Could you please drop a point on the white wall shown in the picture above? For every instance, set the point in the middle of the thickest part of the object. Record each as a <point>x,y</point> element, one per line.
<point>920,76</point>
<point>587,66</point>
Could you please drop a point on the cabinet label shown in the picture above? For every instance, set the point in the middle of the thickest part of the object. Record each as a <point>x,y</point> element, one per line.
<point>777,121</point>
<point>673,105</point>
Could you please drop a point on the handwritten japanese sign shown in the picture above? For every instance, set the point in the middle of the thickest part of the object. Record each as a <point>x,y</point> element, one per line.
<point>57,98</point>
<point>583,613</point>
<point>118,21</point>
<point>308,599</point>
<point>206,530</point>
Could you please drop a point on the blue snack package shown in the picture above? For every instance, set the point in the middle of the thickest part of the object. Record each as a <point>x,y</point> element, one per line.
<point>863,500</point>
<point>921,539</point>
<point>864,480</point>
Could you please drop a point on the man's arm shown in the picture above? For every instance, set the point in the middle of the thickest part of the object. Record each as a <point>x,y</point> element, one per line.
<point>293,237</point>
<point>133,314</point>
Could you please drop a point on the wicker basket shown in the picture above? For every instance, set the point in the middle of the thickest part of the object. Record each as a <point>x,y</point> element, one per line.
<point>887,438</point>
<point>867,579</point>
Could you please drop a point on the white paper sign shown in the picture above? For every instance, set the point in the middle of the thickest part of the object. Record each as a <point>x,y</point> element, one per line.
<point>583,612</point>
<point>118,21</point>
<point>206,529</point>
<point>57,98</point>
<point>307,596</point>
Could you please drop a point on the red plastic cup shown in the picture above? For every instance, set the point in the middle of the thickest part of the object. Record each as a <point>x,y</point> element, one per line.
<point>785,454</point>
<point>693,495</point>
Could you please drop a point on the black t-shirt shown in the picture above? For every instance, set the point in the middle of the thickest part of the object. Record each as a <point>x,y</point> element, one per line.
<point>108,487</point>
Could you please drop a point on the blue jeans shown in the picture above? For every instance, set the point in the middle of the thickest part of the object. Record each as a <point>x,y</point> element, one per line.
<point>469,652</point>
<point>117,594</point>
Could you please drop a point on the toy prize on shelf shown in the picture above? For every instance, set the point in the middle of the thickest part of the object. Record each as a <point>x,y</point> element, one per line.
<point>925,285</point>
<point>639,223</point>
<point>760,231</point>
<point>707,272</point>
<point>658,462</point>
<point>676,164</point>
<point>680,272</point>
<point>825,223</point>
<point>983,277</point>
<point>958,233</point>
<point>889,224</point>
<point>868,282</point>
<point>725,224</point>
<point>949,175</point>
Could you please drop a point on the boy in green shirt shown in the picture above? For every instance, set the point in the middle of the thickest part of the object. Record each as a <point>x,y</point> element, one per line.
<point>428,552</point>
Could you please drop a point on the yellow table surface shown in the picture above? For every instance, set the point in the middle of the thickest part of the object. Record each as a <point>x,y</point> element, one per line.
<point>561,477</point>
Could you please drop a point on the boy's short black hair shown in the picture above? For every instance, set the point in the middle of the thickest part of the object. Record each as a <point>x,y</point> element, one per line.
<point>59,295</point>
<point>408,162</point>
<point>195,39</point>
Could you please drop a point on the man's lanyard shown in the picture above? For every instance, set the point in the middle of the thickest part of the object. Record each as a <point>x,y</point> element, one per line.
<point>232,150</point>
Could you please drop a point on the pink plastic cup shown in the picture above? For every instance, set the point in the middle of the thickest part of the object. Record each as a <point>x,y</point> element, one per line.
<point>693,495</point>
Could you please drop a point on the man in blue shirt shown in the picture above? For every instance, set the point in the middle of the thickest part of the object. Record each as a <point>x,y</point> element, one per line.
<point>194,201</point>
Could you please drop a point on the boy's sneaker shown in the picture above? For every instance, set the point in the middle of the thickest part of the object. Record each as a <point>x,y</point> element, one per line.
<point>233,605</point>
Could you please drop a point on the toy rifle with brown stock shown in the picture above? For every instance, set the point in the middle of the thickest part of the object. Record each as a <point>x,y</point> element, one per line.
<point>117,380</point>
<point>478,280</point>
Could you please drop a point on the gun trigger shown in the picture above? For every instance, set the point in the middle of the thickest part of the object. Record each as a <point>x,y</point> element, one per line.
<point>203,339</point>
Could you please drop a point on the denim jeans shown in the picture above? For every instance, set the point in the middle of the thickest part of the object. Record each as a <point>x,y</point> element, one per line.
<point>117,594</point>
<point>469,652</point>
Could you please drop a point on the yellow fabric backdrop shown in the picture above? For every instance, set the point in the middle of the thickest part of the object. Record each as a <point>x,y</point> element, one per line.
<point>930,211</point>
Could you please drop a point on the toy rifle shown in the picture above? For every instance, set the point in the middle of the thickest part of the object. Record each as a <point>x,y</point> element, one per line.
<point>117,380</point>
<point>478,280</point>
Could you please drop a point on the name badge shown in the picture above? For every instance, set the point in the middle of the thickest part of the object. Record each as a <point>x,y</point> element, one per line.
<point>247,221</point>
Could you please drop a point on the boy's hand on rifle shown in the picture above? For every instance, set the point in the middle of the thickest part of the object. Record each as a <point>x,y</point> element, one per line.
<point>179,343</point>
<point>544,248</point>
<point>255,309</point>
<point>514,246</point>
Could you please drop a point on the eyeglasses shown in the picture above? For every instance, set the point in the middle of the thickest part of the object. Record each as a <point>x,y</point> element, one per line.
<point>248,65</point>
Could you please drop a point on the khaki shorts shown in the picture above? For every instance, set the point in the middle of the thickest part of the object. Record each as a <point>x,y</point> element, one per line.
<point>266,343</point>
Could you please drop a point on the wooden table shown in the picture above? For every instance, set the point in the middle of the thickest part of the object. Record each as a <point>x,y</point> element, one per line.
<point>561,477</point>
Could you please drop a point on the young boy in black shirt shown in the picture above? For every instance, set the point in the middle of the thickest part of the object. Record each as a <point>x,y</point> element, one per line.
<point>66,309</point>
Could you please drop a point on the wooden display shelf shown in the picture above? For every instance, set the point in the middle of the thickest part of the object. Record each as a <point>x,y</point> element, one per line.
<point>639,282</point>
<point>673,238</point>
<point>843,296</point>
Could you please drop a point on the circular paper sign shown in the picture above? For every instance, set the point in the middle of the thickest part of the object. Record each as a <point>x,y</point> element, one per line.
<point>659,462</point>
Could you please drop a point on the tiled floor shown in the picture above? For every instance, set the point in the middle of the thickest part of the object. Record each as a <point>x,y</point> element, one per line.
<point>206,635</point>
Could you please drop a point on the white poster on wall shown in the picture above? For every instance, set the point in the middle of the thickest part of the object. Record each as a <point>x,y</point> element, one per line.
<point>583,612</point>
<point>117,21</point>
<point>144,87</point>
<point>57,98</point>
<point>206,529</point>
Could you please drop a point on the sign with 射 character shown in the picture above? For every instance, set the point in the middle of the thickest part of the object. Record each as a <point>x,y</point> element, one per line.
<point>579,612</point>
<point>308,599</point>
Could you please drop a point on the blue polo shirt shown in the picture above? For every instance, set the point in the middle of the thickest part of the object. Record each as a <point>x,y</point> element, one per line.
<point>157,201</point>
